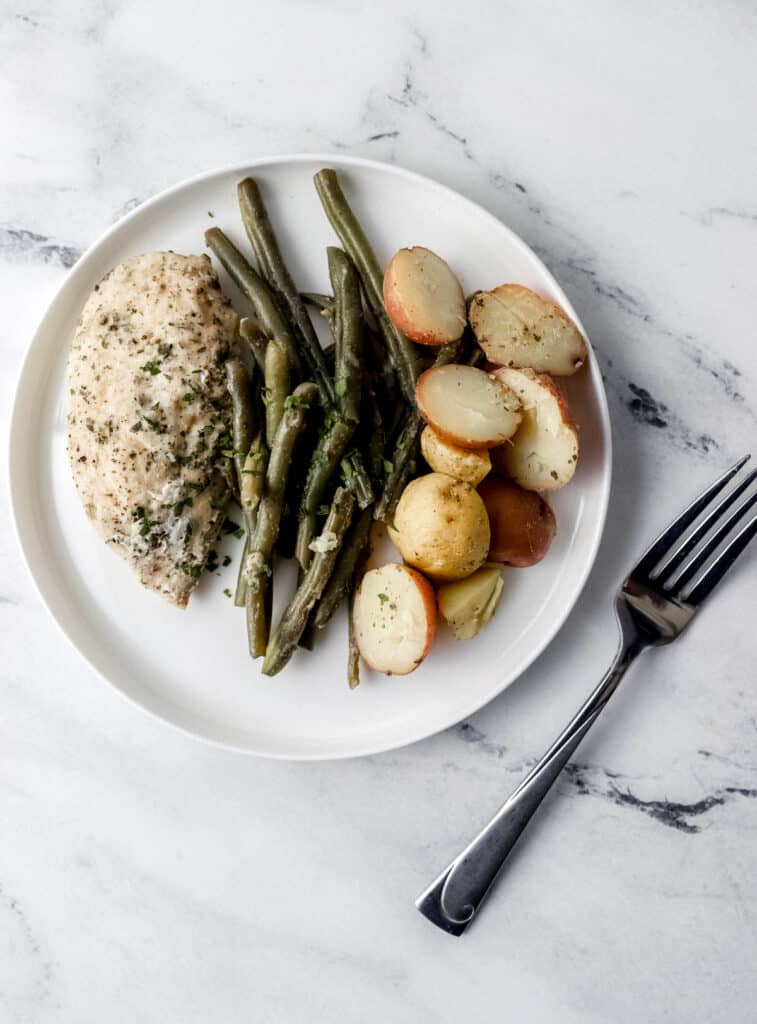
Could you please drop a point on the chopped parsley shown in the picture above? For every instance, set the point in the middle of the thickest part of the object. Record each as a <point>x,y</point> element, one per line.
<point>226,561</point>
<point>383,598</point>
<point>292,403</point>
<point>224,443</point>
<point>142,516</point>
<point>227,592</point>
<point>151,367</point>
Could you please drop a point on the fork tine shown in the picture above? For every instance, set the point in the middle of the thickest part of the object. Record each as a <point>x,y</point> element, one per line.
<point>678,556</point>
<point>722,563</point>
<point>697,561</point>
<point>669,536</point>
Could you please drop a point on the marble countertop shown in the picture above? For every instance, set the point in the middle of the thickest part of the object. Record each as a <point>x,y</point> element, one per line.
<point>145,875</point>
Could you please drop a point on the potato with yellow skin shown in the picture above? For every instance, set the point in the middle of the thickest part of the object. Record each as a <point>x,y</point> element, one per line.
<point>441,527</point>
<point>468,605</point>
<point>461,463</point>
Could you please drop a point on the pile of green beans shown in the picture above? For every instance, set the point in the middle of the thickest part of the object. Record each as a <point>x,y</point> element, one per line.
<point>330,435</point>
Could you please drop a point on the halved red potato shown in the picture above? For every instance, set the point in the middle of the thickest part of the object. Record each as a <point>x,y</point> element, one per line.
<point>394,618</point>
<point>521,522</point>
<point>423,297</point>
<point>468,464</point>
<point>543,454</point>
<point>516,327</point>
<point>468,407</point>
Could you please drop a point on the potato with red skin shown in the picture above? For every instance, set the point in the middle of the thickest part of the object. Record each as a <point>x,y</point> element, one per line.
<point>521,522</point>
<point>543,453</point>
<point>423,298</point>
<point>516,327</point>
<point>467,407</point>
<point>394,617</point>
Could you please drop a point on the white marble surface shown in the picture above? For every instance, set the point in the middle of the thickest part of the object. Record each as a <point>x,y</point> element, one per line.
<point>146,876</point>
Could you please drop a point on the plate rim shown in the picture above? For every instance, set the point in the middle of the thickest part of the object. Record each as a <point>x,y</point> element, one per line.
<point>500,683</point>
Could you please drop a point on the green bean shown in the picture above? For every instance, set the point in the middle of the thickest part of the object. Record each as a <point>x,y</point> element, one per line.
<point>251,284</point>
<point>229,475</point>
<point>276,386</point>
<point>399,467</point>
<point>348,325</point>
<point>477,357</point>
<point>241,588</point>
<point>284,640</point>
<point>325,461</point>
<point>250,332</point>
<point>242,412</point>
<point>323,303</point>
<point>274,269</point>
<point>383,378</point>
<point>258,565</point>
<point>358,248</point>
<point>372,432</point>
<point>340,583</point>
<point>253,476</point>
<point>353,652</point>
<point>348,336</point>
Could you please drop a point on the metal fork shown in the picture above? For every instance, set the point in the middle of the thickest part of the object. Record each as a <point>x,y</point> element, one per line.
<point>660,597</point>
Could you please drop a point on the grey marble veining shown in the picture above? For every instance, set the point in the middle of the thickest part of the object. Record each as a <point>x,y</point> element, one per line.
<point>145,875</point>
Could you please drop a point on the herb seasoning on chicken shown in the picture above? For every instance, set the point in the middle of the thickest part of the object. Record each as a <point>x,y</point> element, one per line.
<point>148,415</point>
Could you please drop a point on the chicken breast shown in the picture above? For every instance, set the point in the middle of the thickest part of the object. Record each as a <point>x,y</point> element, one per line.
<point>149,416</point>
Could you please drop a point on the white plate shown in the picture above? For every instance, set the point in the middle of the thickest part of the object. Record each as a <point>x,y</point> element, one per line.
<point>190,667</point>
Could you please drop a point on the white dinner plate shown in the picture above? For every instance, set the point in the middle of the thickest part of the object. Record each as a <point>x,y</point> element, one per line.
<point>191,667</point>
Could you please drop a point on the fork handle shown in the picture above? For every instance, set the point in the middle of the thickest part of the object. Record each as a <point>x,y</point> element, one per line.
<point>453,900</point>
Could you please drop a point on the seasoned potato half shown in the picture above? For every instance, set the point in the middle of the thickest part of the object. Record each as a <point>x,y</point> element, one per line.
<point>521,522</point>
<point>441,527</point>
<point>516,327</point>
<point>468,605</point>
<point>395,618</point>
<point>543,454</point>
<point>466,406</point>
<point>423,297</point>
<point>468,464</point>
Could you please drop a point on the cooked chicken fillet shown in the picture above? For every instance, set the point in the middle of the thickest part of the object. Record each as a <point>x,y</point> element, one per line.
<point>148,415</point>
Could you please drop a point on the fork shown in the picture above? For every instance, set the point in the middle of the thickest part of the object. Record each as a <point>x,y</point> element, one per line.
<point>659,598</point>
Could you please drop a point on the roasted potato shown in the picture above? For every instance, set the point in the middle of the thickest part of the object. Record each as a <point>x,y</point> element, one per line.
<point>542,455</point>
<point>468,605</point>
<point>441,527</point>
<point>466,406</point>
<point>394,616</point>
<point>423,297</point>
<point>521,522</point>
<point>471,465</point>
<point>516,327</point>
